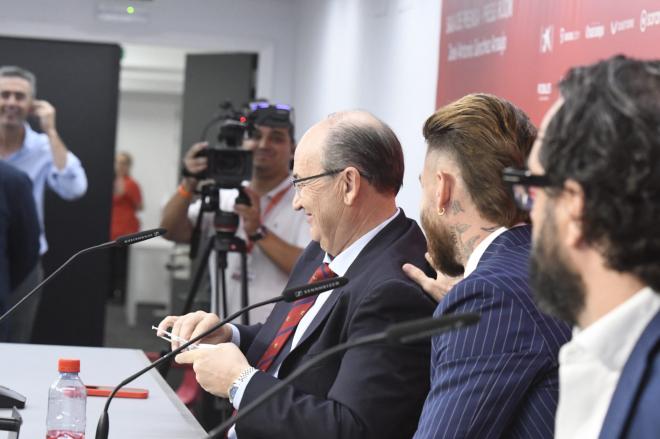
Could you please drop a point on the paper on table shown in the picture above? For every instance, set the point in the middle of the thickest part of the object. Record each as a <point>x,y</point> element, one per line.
<point>171,337</point>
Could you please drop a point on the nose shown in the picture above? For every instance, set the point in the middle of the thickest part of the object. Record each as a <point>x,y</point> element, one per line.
<point>295,203</point>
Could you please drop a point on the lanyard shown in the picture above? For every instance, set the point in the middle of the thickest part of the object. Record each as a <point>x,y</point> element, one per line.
<point>271,205</point>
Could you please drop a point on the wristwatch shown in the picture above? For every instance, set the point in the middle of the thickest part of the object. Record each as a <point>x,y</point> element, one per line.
<point>236,384</point>
<point>261,233</point>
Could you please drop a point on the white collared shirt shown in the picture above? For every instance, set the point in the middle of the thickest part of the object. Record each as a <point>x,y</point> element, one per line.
<point>339,265</point>
<point>591,363</point>
<point>479,250</point>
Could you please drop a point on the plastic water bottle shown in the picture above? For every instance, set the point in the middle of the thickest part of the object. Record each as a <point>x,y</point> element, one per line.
<point>67,400</point>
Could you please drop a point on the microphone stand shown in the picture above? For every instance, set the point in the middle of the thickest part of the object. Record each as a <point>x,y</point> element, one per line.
<point>10,398</point>
<point>289,295</point>
<point>405,332</point>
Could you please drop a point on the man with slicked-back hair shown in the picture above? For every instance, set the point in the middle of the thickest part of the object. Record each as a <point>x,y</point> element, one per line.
<point>497,379</point>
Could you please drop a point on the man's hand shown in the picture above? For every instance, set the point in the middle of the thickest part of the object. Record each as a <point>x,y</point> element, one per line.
<point>251,214</point>
<point>436,288</point>
<point>193,324</point>
<point>46,114</point>
<point>216,368</point>
<point>195,164</point>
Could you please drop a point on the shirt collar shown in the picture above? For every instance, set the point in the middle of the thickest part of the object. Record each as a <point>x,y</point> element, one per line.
<point>342,262</point>
<point>28,141</point>
<point>286,183</point>
<point>612,338</point>
<point>479,250</point>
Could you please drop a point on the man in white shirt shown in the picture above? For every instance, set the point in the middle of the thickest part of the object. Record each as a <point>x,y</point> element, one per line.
<point>594,180</point>
<point>274,233</point>
<point>368,392</point>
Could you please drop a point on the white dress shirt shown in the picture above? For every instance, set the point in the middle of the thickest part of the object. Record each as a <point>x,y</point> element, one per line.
<point>591,363</point>
<point>339,265</point>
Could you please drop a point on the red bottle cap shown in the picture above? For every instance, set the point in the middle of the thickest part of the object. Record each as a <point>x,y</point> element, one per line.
<point>68,365</point>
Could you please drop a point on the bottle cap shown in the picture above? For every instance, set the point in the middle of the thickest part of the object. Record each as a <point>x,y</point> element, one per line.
<point>68,365</point>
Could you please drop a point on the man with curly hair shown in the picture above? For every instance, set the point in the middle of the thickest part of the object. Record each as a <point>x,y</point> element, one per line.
<point>594,179</point>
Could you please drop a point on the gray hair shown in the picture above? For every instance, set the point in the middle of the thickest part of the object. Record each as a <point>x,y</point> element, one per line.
<point>359,139</point>
<point>19,72</point>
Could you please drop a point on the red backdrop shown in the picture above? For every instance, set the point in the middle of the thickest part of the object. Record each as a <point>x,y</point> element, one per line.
<point>519,49</point>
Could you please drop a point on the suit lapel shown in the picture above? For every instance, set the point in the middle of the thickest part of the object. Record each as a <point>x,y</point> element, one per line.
<point>381,241</point>
<point>630,382</point>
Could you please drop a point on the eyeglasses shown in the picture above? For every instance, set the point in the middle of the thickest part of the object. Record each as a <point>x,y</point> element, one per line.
<point>523,185</point>
<point>299,183</point>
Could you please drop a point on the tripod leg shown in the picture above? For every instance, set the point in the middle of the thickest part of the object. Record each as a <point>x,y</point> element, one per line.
<point>164,369</point>
<point>197,279</point>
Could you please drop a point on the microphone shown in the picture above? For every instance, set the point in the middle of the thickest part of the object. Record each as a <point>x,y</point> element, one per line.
<point>288,295</point>
<point>399,333</point>
<point>9,398</point>
<point>122,241</point>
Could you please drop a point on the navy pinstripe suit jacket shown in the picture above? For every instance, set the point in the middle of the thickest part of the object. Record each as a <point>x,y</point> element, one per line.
<point>497,379</point>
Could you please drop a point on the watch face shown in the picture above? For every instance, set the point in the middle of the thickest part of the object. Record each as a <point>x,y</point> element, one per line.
<point>232,393</point>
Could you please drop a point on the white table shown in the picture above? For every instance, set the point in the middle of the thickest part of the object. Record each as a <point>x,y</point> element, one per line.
<point>31,369</point>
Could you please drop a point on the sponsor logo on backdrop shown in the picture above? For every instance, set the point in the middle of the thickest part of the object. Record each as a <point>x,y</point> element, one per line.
<point>621,25</point>
<point>648,19</point>
<point>547,38</point>
<point>567,36</point>
<point>594,31</point>
<point>544,90</point>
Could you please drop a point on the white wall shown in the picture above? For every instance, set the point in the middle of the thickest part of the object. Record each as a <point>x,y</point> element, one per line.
<point>377,55</point>
<point>262,26</point>
<point>320,55</point>
<point>150,130</point>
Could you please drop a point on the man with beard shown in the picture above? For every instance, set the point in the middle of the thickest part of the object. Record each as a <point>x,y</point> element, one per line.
<point>498,378</point>
<point>593,187</point>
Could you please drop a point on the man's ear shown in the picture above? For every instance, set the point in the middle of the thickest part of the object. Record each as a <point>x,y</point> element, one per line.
<point>445,185</point>
<point>572,199</point>
<point>350,181</point>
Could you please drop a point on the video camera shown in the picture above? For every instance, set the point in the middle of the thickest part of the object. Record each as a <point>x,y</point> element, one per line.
<point>228,164</point>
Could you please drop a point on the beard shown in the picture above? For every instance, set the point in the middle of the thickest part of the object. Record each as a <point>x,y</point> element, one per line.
<point>558,290</point>
<point>442,246</point>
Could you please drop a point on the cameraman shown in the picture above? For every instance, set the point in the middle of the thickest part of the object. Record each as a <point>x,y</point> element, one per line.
<point>275,234</point>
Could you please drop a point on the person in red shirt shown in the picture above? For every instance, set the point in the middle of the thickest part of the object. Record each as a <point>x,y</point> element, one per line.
<point>126,202</point>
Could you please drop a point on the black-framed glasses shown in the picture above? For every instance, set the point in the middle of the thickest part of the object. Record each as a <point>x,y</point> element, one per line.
<point>523,185</point>
<point>301,182</point>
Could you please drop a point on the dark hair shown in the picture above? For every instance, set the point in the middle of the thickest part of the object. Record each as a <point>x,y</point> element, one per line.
<point>368,144</point>
<point>484,134</point>
<point>606,137</point>
<point>19,72</point>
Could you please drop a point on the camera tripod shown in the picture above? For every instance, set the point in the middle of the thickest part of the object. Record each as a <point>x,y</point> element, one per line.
<point>224,241</point>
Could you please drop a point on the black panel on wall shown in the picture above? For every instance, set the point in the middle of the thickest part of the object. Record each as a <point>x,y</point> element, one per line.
<point>212,79</point>
<point>81,81</point>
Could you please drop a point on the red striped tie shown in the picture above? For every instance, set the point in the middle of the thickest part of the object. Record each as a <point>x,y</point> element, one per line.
<point>300,307</point>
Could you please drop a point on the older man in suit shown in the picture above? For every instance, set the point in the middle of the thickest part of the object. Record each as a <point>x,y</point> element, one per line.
<point>497,379</point>
<point>348,169</point>
<point>594,179</point>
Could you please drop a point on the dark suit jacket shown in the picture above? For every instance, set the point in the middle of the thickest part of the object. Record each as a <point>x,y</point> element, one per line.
<point>19,229</point>
<point>374,391</point>
<point>499,377</point>
<point>634,411</point>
